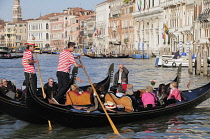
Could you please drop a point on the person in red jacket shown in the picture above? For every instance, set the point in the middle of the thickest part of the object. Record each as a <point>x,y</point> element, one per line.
<point>174,95</point>
<point>124,84</point>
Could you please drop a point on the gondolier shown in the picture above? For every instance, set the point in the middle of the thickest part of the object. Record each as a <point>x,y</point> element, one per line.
<point>29,69</point>
<point>66,60</point>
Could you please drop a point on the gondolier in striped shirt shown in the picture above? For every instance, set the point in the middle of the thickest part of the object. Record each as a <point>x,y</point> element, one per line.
<point>66,60</point>
<point>29,69</point>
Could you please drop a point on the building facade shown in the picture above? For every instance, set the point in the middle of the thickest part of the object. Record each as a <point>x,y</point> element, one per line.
<point>127,21</point>
<point>10,35</point>
<point>115,26</point>
<point>21,33</point>
<point>148,26</point>
<point>39,30</point>
<point>89,27</point>
<point>101,31</point>
<point>58,33</point>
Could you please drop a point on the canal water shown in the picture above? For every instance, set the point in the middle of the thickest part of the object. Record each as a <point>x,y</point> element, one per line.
<point>189,124</point>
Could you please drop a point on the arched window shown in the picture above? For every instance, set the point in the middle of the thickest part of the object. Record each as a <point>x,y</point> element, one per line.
<point>47,26</point>
<point>47,36</point>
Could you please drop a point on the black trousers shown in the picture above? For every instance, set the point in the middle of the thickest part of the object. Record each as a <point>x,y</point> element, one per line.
<point>63,85</point>
<point>31,81</point>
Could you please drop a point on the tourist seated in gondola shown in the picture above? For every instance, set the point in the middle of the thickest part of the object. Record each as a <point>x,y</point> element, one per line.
<point>162,94</point>
<point>51,88</point>
<point>174,95</point>
<point>129,90</point>
<point>8,88</point>
<point>149,98</point>
<point>120,92</point>
<point>124,84</point>
<point>134,95</point>
<point>76,88</point>
<point>21,93</point>
<point>99,89</point>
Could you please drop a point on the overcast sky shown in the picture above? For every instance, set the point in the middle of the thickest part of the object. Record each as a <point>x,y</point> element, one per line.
<point>33,8</point>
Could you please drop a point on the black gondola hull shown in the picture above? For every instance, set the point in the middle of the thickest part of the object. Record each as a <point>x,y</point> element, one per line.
<point>19,110</point>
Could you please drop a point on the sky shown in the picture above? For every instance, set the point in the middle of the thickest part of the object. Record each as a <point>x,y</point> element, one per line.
<point>35,8</point>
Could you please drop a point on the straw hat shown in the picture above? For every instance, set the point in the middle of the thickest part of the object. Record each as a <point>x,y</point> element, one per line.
<point>110,105</point>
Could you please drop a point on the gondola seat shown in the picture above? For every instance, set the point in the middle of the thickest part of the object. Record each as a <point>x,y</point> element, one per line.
<point>126,101</point>
<point>75,98</point>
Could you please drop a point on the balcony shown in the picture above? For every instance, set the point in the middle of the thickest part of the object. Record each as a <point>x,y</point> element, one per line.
<point>148,12</point>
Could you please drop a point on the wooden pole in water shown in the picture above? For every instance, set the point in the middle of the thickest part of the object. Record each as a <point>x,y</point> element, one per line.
<point>198,63</point>
<point>205,64</point>
<point>190,70</point>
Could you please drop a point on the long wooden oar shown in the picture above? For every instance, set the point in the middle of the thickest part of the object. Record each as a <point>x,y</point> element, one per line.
<point>95,93</point>
<point>43,93</point>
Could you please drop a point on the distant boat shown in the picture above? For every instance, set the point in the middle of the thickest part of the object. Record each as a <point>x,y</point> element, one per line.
<point>11,57</point>
<point>57,53</point>
<point>107,56</point>
<point>169,61</point>
<point>5,54</point>
<point>139,56</point>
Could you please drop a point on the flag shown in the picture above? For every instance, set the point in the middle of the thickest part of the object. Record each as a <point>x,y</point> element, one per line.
<point>95,32</point>
<point>139,5</point>
<point>166,30</point>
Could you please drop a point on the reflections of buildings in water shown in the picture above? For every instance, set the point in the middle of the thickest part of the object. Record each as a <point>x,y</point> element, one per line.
<point>193,124</point>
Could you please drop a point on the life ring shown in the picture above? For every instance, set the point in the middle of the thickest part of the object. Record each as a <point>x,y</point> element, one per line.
<point>173,64</point>
<point>166,61</point>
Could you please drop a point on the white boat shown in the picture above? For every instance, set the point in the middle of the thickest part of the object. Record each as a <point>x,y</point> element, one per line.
<point>4,50</point>
<point>169,61</point>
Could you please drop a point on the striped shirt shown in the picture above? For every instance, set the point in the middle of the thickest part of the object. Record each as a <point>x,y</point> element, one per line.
<point>66,59</point>
<point>29,68</point>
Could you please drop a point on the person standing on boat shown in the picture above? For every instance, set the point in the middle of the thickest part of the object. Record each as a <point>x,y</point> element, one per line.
<point>120,74</point>
<point>176,55</point>
<point>66,60</point>
<point>29,68</point>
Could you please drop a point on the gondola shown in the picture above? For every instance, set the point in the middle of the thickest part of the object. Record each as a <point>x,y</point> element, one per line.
<point>107,57</point>
<point>19,110</point>
<point>67,115</point>
<point>11,57</point>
